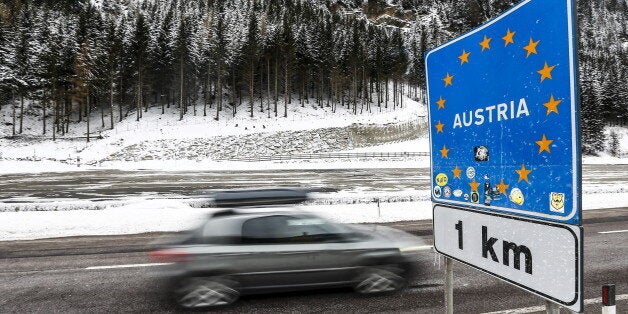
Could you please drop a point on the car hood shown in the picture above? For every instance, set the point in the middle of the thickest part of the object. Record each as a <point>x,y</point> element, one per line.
<point>398,238</point>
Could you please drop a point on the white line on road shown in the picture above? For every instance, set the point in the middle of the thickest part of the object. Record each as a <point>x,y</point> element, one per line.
<point>533,309</point>
<point>126,266</point>
<point>614,231</point>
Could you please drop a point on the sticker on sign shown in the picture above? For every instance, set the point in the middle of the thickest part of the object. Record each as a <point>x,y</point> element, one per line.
<point>544,258</point>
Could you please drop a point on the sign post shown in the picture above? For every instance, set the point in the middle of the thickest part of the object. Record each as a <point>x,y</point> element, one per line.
<point>505,142</point>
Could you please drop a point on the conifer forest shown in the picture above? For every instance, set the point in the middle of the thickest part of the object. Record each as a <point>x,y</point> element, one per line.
<point>64,61</point>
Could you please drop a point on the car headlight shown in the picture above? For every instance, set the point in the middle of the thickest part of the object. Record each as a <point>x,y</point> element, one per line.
<point>414,249</point>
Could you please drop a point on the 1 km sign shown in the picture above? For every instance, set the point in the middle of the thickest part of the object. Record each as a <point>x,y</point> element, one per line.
<point>515,250</point>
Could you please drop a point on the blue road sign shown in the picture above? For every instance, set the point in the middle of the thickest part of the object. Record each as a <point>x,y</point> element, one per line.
<point>503,114</point>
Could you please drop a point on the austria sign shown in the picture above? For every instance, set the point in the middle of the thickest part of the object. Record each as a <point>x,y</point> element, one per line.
<point>505,150</point>
<point>504,115</point>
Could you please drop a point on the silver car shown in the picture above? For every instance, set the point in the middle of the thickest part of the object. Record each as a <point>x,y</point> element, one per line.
<point>239,252</point>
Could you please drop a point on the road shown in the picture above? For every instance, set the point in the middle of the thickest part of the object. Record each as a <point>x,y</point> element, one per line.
<point>115,184</point>
<point>57,275</point>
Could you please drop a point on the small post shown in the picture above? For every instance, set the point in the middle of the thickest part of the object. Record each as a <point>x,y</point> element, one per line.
<point>608,299</point>
<point>551,307</point>
<point>449,289</point>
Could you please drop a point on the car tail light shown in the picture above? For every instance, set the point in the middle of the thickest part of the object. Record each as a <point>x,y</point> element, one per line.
<point>169,256</point>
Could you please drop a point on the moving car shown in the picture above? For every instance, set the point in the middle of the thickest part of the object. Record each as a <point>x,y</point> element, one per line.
<point>239,251</point>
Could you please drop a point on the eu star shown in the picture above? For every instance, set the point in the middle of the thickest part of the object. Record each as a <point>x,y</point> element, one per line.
<point>502,187</point>
<point>441,103</point>
<point>456,171</point>
<point>509,38</point>
<point>531,47</point>
<point>552,105</point>
<point>464,57</point>
<point>474,185</point>
<point>439,127</point>
<point>523,173</point>
<point>448,80</point>
<point>486,43</point>
<point>546,72</point>
<point>444,152</point>
<point>544,144</point>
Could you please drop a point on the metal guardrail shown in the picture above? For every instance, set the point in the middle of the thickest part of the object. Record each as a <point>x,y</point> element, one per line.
<point>330,156</point>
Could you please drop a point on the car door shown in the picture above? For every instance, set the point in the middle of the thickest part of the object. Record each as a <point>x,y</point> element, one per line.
<point>281,255</point>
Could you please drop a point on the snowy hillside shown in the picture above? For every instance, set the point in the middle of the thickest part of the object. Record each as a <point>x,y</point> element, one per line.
<point>157,137</point>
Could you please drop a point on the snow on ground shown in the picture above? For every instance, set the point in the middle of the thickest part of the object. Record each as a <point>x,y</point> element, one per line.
<point>177,215</point>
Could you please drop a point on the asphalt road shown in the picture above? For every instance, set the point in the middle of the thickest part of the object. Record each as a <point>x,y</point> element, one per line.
<point>57,275</point>
<point>115,184</point>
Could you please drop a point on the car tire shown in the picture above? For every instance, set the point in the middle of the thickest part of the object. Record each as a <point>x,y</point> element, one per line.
<point>375,280</point>
<point>205,292</point>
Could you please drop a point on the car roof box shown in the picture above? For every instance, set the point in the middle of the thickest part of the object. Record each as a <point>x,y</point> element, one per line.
<point>241,198</point>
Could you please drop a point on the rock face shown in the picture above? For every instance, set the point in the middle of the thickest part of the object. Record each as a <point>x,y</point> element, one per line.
<point>269,144</point>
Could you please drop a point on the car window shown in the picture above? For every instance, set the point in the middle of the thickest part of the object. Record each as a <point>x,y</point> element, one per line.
<point>220,231</point>
<point>288,229</point>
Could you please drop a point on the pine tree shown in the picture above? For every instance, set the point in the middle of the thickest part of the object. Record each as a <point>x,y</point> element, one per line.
<point>7,65</point>
<point>592,125</point>
<point>139,58</point>
<point>287,48</point>
<point>251,52</point>
<point>183,61</point>
<point>113,49</point>
<point>24,63</point>
<point>219,49</point>
<point>613,144</point>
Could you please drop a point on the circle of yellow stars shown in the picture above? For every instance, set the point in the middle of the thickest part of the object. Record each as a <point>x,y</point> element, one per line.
<point>544,144</point>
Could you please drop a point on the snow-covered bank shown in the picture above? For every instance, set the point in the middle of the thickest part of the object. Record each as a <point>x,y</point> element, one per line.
<point>174,215</point>
<point>177,215</point>
<point>307,129</point>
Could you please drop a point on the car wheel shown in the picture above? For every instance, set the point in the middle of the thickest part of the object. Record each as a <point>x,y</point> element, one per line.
<point>203,292</point>
<point>379,280</point>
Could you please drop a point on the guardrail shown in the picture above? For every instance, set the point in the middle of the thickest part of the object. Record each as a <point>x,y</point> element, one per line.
<point>330,156</point>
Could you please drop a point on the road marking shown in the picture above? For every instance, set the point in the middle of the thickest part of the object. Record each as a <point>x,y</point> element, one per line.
<point>614,231</point>
<point>533,309</point>
<point>126,266</point>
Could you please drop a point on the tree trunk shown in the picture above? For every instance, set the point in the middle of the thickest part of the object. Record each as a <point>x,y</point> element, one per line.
<point>55,120</point>
<point>251,89</point>
<point>286,94</point>
<point>120,101</point>
<point>233,93</point>
<point>64,114</point>
<point>13,106</point>
<point>181,90</point>
<point>261,89</point>
<point>138,107</point>
<point>43,105</point>
<point>276,91</point>
<point>207,94</point>
<point>102,114</point>
<point>21,112</point>
<point>163,105</point>
<point>88,114</point>
<point>268,85</point>
<point>219,103</point>
<point>111,102</point>
<point>386,87</point>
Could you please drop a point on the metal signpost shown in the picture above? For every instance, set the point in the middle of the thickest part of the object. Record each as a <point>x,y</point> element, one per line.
<point>505,161</point>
